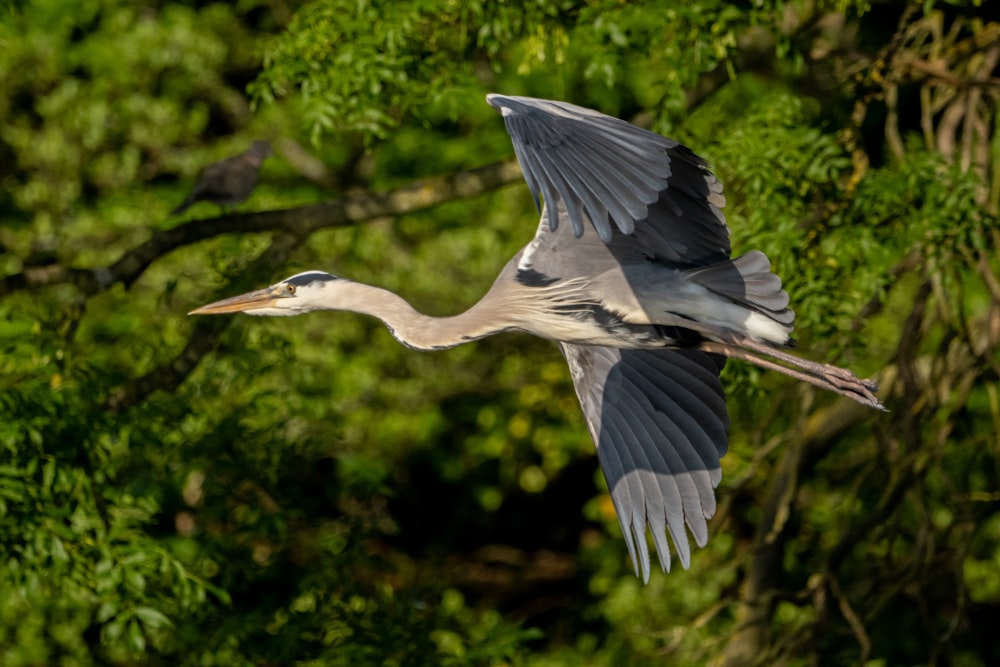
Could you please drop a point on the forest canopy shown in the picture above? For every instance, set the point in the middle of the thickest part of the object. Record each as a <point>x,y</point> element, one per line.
<point>234,490</point>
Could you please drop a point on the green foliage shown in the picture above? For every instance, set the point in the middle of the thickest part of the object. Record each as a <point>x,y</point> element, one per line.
<point>249,491</point>
<point>77,552</point>
<point>440,57</point>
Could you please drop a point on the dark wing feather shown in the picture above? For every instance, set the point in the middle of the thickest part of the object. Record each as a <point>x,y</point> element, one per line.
<point>658,418</point>
<point>564,150</point>
<point>684,228</point>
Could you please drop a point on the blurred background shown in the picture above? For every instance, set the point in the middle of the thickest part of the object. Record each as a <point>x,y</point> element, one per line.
<point>243,491</point>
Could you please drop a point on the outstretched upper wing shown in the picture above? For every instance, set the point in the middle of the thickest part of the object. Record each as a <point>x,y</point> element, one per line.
<point>658,418</point>
<point>593,163</point>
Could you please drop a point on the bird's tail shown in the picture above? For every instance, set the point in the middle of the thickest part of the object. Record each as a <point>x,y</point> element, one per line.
<point>748,281</point>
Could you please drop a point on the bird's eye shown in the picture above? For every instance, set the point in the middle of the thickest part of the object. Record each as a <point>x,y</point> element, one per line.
<point>290,289</point>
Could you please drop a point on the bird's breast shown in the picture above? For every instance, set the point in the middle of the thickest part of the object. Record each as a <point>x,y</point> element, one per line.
<point>593,324</point>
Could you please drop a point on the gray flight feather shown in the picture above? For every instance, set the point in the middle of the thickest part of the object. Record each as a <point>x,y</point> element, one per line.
<point>597,166</point>
<point>659,420</point>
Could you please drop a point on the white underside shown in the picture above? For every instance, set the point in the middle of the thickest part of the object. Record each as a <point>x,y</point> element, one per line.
<point>703,305</point>
<point>764,328</point>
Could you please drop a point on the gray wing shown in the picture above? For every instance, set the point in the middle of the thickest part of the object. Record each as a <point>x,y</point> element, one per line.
<point>684,228</point>
<point>659,420</point>
<point>563,153</point>
<point>594,164</point>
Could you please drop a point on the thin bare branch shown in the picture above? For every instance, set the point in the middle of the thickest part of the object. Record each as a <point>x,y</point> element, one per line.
<point>857,627</point>
<point>300,221</point>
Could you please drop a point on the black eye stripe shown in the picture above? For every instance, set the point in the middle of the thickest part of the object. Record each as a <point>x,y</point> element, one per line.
<point>309,277</point>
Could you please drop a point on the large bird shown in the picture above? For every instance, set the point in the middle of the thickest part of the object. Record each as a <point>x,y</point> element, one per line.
<point>630,272</point>
<point>228,183</point>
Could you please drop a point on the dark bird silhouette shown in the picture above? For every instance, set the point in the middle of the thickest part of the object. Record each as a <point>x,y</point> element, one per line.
<point>228,183</point>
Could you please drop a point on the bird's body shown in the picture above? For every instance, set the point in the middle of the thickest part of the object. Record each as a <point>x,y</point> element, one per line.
<point>228,183</point>
<point>644,302</point>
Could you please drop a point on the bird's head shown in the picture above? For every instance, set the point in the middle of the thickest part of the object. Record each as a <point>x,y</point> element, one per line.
<point>302,293</point>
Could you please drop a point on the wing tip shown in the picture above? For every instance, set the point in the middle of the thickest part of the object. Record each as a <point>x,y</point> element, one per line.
<point>501,103</point>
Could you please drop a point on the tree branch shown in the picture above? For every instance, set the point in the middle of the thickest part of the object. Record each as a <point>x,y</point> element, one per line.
<point>919,384</point>
<point>300,221</point>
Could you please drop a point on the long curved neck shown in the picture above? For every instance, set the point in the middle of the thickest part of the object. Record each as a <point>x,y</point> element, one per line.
<point>423,332</point>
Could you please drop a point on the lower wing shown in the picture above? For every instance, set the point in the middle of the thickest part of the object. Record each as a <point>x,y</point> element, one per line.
<point>659,420</point>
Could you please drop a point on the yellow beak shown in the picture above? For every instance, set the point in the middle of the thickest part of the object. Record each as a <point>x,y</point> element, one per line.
<point>262,298</point>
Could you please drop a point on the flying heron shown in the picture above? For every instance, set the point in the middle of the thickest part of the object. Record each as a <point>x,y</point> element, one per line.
<point>645,303</point>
